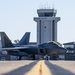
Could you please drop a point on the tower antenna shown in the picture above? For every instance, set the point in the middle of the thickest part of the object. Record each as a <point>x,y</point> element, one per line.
<point>53,6</point>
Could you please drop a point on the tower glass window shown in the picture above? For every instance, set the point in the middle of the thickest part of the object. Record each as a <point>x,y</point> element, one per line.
<point>48,14</point>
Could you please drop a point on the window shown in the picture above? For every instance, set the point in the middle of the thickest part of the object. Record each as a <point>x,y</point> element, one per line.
<point>48,14</point>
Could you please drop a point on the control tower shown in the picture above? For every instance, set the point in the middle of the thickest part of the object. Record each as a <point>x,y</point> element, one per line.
<point>46,25</point>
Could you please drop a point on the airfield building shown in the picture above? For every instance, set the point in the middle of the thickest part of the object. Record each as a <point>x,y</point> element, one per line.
<point>46,25</point>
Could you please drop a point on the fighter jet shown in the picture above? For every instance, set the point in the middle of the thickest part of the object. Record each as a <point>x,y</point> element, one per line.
<point>6,43</point>
<point>24,48</point>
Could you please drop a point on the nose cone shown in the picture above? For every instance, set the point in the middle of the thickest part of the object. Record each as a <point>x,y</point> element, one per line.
<point>53,48</point>
<point>58,50</point>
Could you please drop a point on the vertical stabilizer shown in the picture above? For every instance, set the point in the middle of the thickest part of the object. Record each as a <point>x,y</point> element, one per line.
<point>25,39</point>
<point>5,41</point>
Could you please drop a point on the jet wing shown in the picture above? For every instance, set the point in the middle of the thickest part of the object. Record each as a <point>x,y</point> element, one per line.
<point>17,48</point>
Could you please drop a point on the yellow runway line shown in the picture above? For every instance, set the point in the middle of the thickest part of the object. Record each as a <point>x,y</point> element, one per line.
<point>45,69</point>
<point>34,70</point>
<point>39,69</point>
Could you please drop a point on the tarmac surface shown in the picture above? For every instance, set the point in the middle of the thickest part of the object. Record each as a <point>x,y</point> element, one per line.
<point>41,67</point>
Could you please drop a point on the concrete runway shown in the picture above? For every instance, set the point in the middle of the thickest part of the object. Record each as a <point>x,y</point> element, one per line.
<point>37,67</point>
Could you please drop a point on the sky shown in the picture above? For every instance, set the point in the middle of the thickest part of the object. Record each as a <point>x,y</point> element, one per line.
<point>17,17</point>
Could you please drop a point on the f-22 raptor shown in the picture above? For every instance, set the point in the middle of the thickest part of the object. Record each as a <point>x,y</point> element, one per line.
<point>23,48</point>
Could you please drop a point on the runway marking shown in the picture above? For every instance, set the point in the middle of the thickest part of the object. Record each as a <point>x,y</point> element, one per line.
<point>39,69</point>
<point>45,69</point>
<point>34,70</point>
